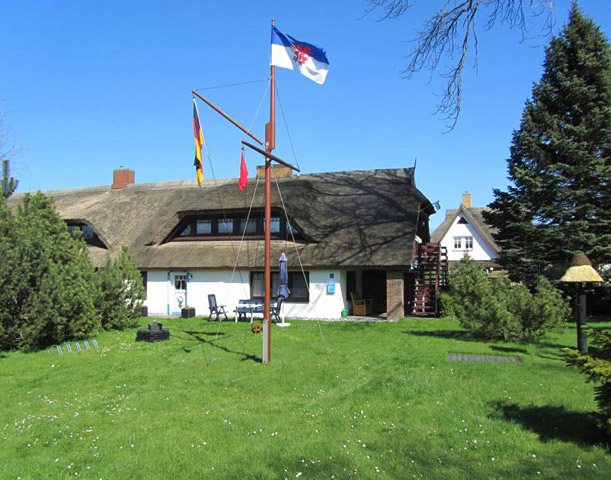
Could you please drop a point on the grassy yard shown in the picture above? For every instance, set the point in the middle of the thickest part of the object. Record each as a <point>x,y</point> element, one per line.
<point>385,403</point>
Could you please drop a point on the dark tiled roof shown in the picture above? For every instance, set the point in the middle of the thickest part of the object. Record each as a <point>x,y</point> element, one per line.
<point>350,219</point>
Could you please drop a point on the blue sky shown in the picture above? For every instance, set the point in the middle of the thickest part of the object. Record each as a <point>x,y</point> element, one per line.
<point>89,86</point>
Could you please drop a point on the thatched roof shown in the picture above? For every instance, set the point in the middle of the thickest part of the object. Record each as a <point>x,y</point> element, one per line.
<point>581,271</point>
<point>475,216</point>
<point>358,219</point>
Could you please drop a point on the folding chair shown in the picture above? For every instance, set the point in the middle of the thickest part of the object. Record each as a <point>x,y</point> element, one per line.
<point>215,309</point>
<point>274,309</point>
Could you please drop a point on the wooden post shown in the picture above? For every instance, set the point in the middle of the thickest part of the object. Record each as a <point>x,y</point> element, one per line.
<point>582,338</point>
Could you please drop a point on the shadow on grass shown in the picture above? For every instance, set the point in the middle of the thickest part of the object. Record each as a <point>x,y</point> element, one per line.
<point>508,349</point>
<point>452,334</point>
<point>199,336</point>
<point>553,422</point>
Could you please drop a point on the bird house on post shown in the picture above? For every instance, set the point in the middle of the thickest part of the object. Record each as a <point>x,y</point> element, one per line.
<point>580,273</point>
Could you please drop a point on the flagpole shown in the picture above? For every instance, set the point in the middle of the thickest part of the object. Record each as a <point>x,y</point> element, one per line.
<point>270,139</point>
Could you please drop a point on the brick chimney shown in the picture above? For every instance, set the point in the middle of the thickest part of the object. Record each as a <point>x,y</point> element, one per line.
<point>466,200</point>
<point>123,177</point>
<point>278,171</point>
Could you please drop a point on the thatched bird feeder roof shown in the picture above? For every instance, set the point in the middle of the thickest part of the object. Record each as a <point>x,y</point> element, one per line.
<point>581,271</point>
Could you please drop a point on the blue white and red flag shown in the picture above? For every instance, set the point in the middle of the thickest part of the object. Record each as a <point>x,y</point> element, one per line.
<point>307,59</point>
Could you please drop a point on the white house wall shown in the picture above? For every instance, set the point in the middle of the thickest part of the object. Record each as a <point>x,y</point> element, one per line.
<point>229,290</point>
<point>481,249</point>
<point>322,304</point>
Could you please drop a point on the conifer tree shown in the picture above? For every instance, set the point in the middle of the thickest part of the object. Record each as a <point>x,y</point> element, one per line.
<point>45,278</point>
<point>558,201</point>
<point>8,184</point>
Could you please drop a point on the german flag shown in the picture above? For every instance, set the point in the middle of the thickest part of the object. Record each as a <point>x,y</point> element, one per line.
<point>199,141</point>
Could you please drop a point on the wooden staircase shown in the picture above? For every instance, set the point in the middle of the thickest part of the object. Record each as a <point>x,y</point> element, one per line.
<point>431,278</point>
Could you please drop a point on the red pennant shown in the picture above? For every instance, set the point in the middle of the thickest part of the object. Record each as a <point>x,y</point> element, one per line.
<point>243,173</point>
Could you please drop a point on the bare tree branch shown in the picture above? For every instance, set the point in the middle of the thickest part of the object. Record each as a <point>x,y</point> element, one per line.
<point>450,33</point>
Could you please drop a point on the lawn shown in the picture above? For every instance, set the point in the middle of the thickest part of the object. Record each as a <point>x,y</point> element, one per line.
<point>337,400</point>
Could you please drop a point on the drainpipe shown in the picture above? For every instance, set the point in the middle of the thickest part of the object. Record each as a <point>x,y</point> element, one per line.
<point>167,296</point>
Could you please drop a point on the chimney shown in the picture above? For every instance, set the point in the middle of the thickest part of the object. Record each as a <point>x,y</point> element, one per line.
<point>278,171</point>
<point>466,200</point>
<point>123,177</point>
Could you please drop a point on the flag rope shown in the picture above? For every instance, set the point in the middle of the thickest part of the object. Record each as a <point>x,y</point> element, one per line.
<point>288,132</point>
<point>231,85</point>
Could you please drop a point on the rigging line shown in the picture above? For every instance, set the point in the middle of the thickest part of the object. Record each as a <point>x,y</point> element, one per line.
<point>216,188</point>
<point>260,105</point>
<point>231,85</point>
<point>288,132</point>
<point>303,273</point>
<point>244,234</point>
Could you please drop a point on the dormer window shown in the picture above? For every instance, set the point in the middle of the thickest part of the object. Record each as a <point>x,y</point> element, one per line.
<point>91,238</point>
<point>216,226</point>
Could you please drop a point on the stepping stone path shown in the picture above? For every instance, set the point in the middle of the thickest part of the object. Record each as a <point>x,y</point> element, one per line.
<point>466,357</point>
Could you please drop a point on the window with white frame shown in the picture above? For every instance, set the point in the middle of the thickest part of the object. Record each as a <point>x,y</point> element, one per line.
<point>463,243</point>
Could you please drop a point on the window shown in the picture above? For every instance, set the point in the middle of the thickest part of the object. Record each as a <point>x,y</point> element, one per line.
<point>214,226</point>
<point>248,227</point>
<point>298,285</point>
<point>291,229</point>
<point>463,243</point>
<point>144,281</point>
<point>463,221</point>
<point>87,233</point>
<point>180,282</point>
<point>225,226</point>
<point>274,225</point>
<point>203,227</point>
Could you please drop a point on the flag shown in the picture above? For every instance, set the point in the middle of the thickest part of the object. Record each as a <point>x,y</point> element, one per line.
<point>243,173</point>
<point>199,141</point>
<point>306,58</point>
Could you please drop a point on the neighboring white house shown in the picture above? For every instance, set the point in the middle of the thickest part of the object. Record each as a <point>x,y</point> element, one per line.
<point>343,233</point>
<point>464,232</point>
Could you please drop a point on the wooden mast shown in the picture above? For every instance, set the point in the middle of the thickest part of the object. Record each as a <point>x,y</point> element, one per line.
<point>270,144</point>
<point>270,140</point>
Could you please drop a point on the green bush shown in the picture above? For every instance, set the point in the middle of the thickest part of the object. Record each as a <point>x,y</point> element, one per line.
<point>9,288</point>
<point>44,278</point>
<point>119,292</point>
<point>495,309</point>
<point>446,305</point>
<point>597,366</point>
<point>49,291</point>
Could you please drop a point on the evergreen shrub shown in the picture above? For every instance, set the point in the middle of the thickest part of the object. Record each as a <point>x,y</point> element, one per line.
<point>446,305</point>
<point>495,309</point>
<point>597,366</point>
<point>119,292</point>
<point>49,290</point>
<point>44,279</point>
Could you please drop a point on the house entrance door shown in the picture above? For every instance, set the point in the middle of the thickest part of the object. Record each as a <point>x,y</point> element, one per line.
<point>374,287</point>
<point>179,295</point>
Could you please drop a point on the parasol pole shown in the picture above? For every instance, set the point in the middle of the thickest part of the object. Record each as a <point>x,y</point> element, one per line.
<point>270,140</point>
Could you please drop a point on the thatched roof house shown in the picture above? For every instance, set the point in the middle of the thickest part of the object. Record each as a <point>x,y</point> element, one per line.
<point>336,222</point>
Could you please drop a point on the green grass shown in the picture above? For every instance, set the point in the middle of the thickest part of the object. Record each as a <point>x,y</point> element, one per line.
<point>388,405</point>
